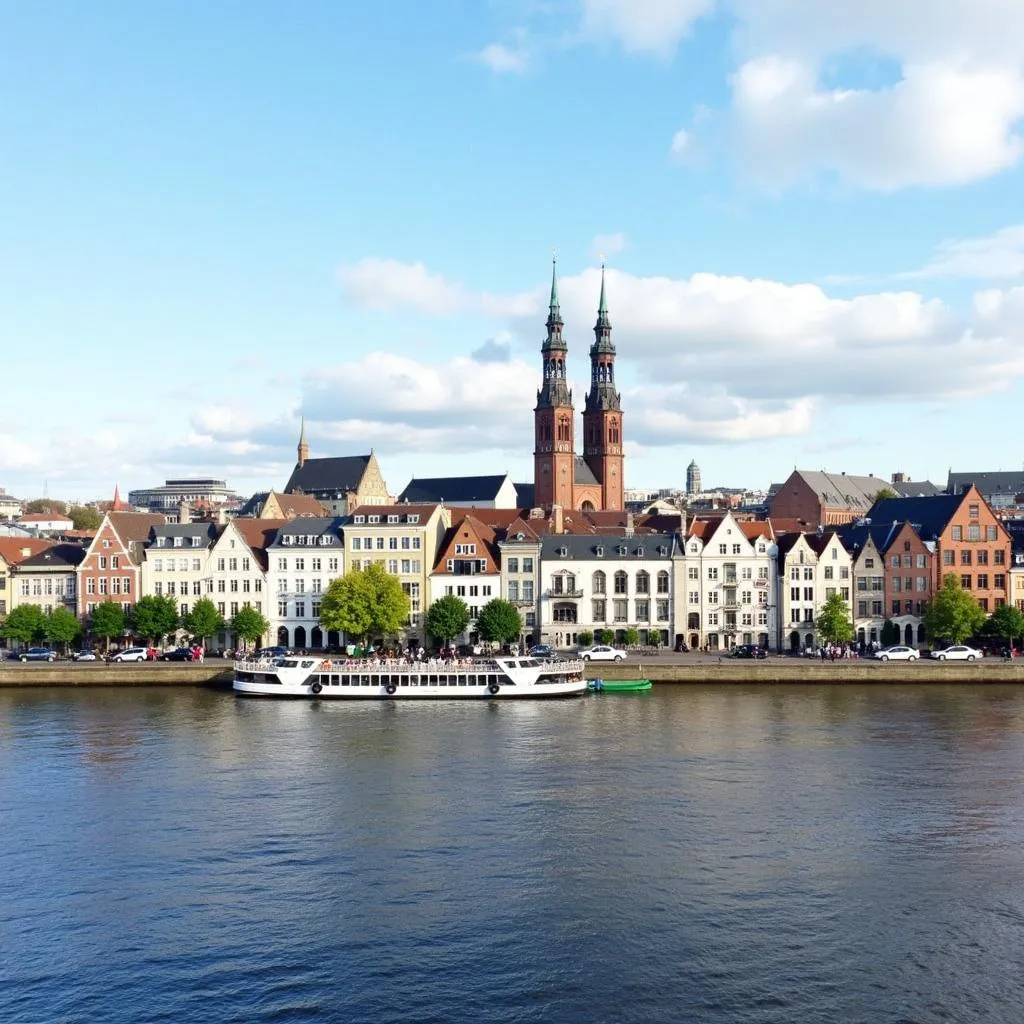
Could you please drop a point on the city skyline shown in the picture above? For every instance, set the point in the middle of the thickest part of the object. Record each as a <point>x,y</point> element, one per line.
<point>223,220</point>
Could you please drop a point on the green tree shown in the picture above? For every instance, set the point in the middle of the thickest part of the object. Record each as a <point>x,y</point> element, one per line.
<point>499,622</point>
<point>447,618</point>
<point>364,603</point>
<point>155,617</point>
<point>890,633</point>
<point>26,623</point>
<point>834,625</point>
<point>630,637</point>
<point>952,615</point>
<point>47,505</point>
<point>605,636</point>
<point>584,638</point>
<point>885,492</point>
<point>61,627</point>
<point>1006,621</point>
<point>204,620</point>
<point>84,518</point>
<point>108,621</point>
<point>249,626</point>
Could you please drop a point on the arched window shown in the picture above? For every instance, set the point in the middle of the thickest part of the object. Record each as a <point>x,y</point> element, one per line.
<point>663,582</point>
<point>598,583</point>
<point>565,613</point>
<point>621,583</point>
<point>643,582</point>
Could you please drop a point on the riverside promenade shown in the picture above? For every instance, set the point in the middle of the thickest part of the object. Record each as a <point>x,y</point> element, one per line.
<point>668,668</point>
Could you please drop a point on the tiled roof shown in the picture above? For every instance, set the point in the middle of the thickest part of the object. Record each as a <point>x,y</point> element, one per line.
<point>478,531</point>
<point>582,546</point>
<point>133,529</point>
<point>840,490</point>
<point>259,535</point>
<point>298,504</point>
<point>928,515</point>
<point>44,517</point>
<point>334,475</point>
<point>14,549</point>
<point>424,490</point>
<point>524,495</point>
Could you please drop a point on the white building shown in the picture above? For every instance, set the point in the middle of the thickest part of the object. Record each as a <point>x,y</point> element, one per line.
<point>812,567</point>
<point>43,523</point>
<point>176,563</point>
<point>727,585</point>
<point>304,557</point>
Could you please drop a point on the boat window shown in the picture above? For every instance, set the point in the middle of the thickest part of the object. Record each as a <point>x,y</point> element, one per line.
<point>308,664</point>
<point>334,681</point>
<point>287,664</point>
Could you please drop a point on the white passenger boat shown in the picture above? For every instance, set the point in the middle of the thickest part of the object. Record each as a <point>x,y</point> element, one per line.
<point>310,676</point>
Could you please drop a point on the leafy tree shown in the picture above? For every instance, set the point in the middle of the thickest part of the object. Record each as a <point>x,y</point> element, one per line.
<point>499,622</point>
<point>447,618</point>
<point>885,492</point>
<point>61,626</point>
<point>25,623</point>
<point>630,637</point>
<point>890,633</point>
<point>84,518</point>
<point>834,625</point>
<point>654,638</point>
<point>108,621</point>
<point>1006,621</point>
<point>249,625</point>
<point>155,616</point>
<point>47,505</point>
<point>953,614</point>
<point>204,620</point>
<point>605,636</point>
<point>584,638</point>
<point>365,602</point>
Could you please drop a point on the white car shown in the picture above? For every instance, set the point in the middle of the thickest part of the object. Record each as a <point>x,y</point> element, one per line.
<point>897,653</point>
<point>958,652</point>
<point>84,656</point>
<point>130,654</point>
<point>601,652</point>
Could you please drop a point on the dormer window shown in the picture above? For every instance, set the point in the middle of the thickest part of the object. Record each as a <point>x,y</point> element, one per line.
<point>196,541</point>
<point>622,549</point>
<point>563,552</point>
<point>662,550</point>
<point>178,541</point>
<point>374,519</point>
<point>640,552</point>
<point>599,551</point>
<point>412,519</point>
<point>359,519</point>
<point>392,519</point>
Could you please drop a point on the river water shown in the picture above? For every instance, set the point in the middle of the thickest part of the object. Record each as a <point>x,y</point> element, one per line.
<point>708,854</point>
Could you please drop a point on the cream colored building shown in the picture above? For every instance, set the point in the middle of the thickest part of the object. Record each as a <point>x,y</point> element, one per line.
<point>812,567</point>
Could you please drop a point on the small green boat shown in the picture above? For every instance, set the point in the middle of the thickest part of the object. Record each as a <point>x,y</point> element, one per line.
<point>619,685</point>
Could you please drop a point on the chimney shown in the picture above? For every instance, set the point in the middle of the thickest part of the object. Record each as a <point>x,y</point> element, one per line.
<point>184,515</point>
<point>222,517</point>
<point>557,525</point>
<point>899,478</point>
<point>629,524</point>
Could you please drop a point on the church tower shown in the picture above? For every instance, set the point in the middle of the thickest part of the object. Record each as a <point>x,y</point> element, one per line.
<point>602,415</point>
<point>303,449</point>
<point>553,456</point>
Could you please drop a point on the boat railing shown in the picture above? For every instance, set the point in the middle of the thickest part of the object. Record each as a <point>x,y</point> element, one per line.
<point>403,665</point>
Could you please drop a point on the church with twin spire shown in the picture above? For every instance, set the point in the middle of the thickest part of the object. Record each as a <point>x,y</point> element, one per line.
<point>590,481</point>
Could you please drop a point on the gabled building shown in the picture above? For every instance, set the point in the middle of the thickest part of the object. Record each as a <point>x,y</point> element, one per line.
<point>303,558</point>
<point>824,499</point>
<point>176,562</point>
<point>111,569</point>
<point>278,505</point>
<point>812,567</point>
<point>339,483</point>
<point>468,565</point>
<point>497,491</point>
<point>48,578</point>
<point>519,546</point>
<point>726,584</point>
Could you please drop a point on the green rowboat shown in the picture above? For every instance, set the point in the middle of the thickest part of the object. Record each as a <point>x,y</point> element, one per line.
<point>619,685</point>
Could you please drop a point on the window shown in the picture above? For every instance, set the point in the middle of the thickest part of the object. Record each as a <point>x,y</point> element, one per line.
<point>747,573</point>
<point>794,593</point>
<point>598,610</point>
<point>895,561</point>
<point>405,543</point>
<point>723,549</point>
<point>999,556</point>
<point>527,565</point>
<point>972,511</point>
<point>974,532</point>
<point>663,582</point>
<point>896,584</point>
<point>947,557</point>
<point>184,609</point>
<point>957,533</point>
<point>896,607</point>
<point>300,586</point>
<point>794,573</point>
<point>982,557</point>
<point>869,563</point>
<point>158,565</point>
<point>862,609</point>
<point>982,581</point>
<point>808,593</point>
<point>965,558</point>
<point>158,588</point>
<point>712,572</point>
<point>234,586</point>
<point>197,565</point>
<point>876,607</point>
<point>643,583</point>
<point>393,566</point>
<point>621,583</point>
<point>921,561</point>
<point>513,590</point>
<point>965,581</point>
<point>922,582</point>
<point>694,597</point>
<point>692,572</point>
<point>357,542</point>
<point>809,573</point>
<point>736,549</point>
<point>300,609</point>
<point>392,543</point>
<point>643,611</point>
<point>405,566</point>
<point>712,597</point>
<point>999,581</point>
<point>621,610</point>
<point>512,564</point>
<point>828,572</point>
<point>197,588</point>
<point>103,561</point>
<point>991,533</point>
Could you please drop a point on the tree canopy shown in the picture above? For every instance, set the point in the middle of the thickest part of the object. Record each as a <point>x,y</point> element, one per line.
<point>834,625</point>
<point>953,614</point>
<point>61,626</point>
<point>204,620</point>
<point>447,618</point>
<point>365,603</point>
<point>499,622</point>
<point>885,492</point>
<point>1006,621</point>
<point>108,620</point>
<point>26,623</point>
<point>50,506</point>
<point>249,625</point>
<point>84,518</point>
<point>154,617</point>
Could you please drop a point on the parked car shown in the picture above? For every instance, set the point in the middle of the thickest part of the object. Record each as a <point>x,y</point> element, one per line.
<point>38,654</point>
<point>470,650</point>
<point>602,652</point>
<point>130,654</point>
<point>958,652</point>
<point>897,653</point>
<point>748,651</point>
<point>269,653</point>
<point>178,654</point>
<point>542,651</point>
<point>84,656</point>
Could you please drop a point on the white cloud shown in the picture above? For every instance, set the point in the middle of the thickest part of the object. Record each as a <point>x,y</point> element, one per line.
<point>504,60</point>
<point>382,284</point>
<point>993,257</point>
<point>607,245</point>
<point>682,143</point>
<point>643,26</point>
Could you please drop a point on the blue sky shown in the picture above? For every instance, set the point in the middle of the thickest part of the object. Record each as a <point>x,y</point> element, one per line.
<point>220,217</point>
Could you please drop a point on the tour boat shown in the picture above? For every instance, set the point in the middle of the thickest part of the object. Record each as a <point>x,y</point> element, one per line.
<point>304,675</point>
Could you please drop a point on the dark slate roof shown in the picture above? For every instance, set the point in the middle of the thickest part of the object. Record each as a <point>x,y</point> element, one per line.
<point>583,474</point>
<point>334,475</point>
<point>855,535</point>
<point>252,508</point>
<point>1009,482</point>
<point>204,531</point>
<point>58,555</point>
<point>308,526</point>
<point>928,516</point>
<point>585,546</point>
<point>1015,528</point>
<point>524,495</point>
<point>915,488</point>
<point>425,490</point>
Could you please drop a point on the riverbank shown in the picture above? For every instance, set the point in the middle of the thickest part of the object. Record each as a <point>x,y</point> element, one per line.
<point>769,671</point>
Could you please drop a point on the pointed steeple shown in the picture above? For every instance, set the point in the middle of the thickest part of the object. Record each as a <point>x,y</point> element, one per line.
<point>303,449</point>
<point>554,322</point>
<point>603,327</point>
<point>602,395</point>
<point>602,306</point>
<point>555,391</point>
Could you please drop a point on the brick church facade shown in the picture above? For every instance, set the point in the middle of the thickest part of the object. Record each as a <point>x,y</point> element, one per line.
<point>593,480</point>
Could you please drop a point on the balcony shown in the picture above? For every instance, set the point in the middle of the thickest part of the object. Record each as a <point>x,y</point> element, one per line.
<point>562,595</point>
<point>522,602</point>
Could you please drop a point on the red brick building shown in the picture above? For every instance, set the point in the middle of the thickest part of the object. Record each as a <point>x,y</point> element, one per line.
<point>111,567</point>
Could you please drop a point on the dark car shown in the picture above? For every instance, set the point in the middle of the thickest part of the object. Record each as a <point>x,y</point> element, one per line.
<point>748,651</point>
<point>269,653</point>
<point>37,654</point>
<point>178,654</point>
<point>542,651</point>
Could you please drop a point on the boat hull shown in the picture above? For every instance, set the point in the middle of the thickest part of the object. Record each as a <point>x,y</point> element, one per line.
<point>620,685</point>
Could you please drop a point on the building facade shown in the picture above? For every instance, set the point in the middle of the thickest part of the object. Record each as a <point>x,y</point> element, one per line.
<point>112,567</point>
<point>812,567</point>
<point>169,498</point>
